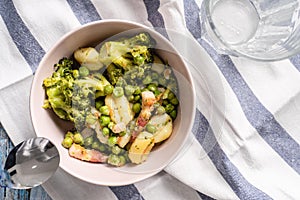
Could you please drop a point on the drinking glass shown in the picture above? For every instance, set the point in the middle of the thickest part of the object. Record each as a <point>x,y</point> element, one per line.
<point>266,30</point>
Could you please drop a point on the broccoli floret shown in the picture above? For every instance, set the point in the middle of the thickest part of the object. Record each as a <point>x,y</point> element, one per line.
<point>128,52</point>
<point>59,89</point>
<point>72,98</point>
<point>114,73</point>
<point>140,39</point>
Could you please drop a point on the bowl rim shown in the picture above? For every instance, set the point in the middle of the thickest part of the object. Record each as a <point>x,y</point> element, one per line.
<point>132,177</point>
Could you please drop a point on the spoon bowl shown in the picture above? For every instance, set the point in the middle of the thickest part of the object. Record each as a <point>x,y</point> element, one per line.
<point>29,164</point>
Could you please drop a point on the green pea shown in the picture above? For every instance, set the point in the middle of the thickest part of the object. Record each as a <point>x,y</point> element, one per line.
<point>69,134</point>
<point>95,145</point>
<point>169,108</point>
<point>112,140</point>
<point>152,87</point>
<point>118,92</point>
<point>165,102</point>
<point>137,97</point>
<point>173,114</point>
<point>151,128</point>
<point>67,142</point>
<point>105,131</point>
<point>174,101</point>
<point>104,110</point>
<point>136,107</point>
<point>131,98</point>
<point>88,141</point>
<point>104,120</point>
<point>137,91</point>
<point>78,139</point>
<point>129,90</point>
<point>160,110</point>
<point>171,95</point>
<point>108,89</point>
<point>116,149</point>
<point>110,125</point>
<point>147,80</point>
<point>113,160</point>
<point>83,71</point>
<point>101,148</point>
<point>122,160</point>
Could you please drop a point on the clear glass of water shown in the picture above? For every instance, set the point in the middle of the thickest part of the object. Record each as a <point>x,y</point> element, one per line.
<point>266,30</point>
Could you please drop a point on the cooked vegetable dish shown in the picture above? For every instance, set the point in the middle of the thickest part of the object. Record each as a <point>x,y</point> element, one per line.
<point>121,98</point>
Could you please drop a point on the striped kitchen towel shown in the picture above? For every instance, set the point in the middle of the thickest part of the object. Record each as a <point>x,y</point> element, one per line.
<point>245,138</point>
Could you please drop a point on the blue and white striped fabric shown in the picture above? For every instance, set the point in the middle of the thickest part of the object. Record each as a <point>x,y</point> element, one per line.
<point>250,112</point>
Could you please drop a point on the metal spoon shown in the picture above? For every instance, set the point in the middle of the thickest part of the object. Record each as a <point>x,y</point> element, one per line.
<point>29,164</point>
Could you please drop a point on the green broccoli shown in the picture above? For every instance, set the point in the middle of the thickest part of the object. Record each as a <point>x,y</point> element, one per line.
<point>59,89</point>
<point>128,52</point>
<point>72,97</point>
<point>114,73</point>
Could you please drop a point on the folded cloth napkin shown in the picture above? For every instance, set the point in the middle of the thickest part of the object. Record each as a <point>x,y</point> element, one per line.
<point>245,138</point>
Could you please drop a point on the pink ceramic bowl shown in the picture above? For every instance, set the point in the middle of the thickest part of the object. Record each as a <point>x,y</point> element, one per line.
<point>47,125</point>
